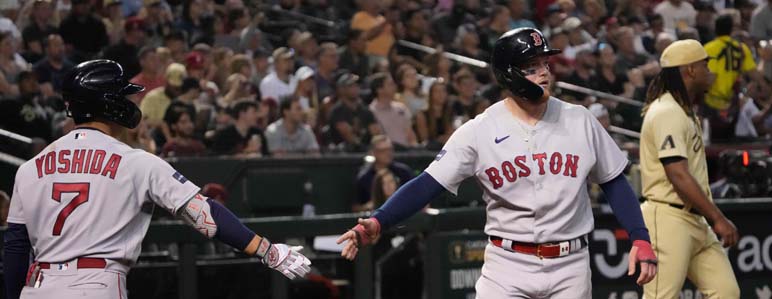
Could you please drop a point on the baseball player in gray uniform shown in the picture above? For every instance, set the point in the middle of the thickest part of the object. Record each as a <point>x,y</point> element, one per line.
<point>83,205</point>
<point>532,154</point>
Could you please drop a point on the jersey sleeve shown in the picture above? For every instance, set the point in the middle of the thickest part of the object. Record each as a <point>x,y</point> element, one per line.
<point>610,161</point>
<point>167,187</point>
<point>748,62</point>
<point>457,159</point>
<point>15,211</point>
<point>670,130</point>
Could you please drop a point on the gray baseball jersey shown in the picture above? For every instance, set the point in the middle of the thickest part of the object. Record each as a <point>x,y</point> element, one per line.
<point>88,194</point>
<point>533,177</point>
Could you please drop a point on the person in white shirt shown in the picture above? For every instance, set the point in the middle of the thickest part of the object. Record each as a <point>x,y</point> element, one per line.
<point>280,82</point>
<point>676,14</point>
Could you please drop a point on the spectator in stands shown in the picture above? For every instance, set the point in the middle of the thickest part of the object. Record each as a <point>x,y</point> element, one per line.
<point>553,20</point>
<point>518,10</point>
<point>384,185</point>
<point>10,65</point>
<point>584,69</point>
<point>151,73</point>
<point>594,15</point>
<point>764,52</point>
<point>235,21</point>
<point>305,90</point>
<point>140,138</point>
<point>663,40</point>
<point>290,135</point>
<point>243,137</point>
<point>156,101</point>
<point>706,14</point>
<point>560,65</point>
<point>650,36</point>
<point>183,143</point>
<point>382,150</point>
<point>578,39</point>
<point>352,56</point>
<point>394,117</point>
<point>325,71</point>
<point>194,21</point>
<point>731,60</point>
<point>761,22</point>
<point>52,69</point>
<point>676,14</point>
<point>240,64</point>
<point>627,57</point>
<point>416,31</point>
<point>307,50</point>
<point>39,28</point>
<point>445,25</point>
<point>377,30</point>
<point>601,113</point>
<point>351,124</point>
<point>438,66</point>
<point>157,20</point>
<point>25,113</point>
<point>84,34</point>
<point>237,88</point>
<point>500,20</point>
<point>126,51</point>
<point>175,42</point>
<point>467,43</point>
<point>409,88</point>
<point>606,77</point>
<point>754,112</point>
<point>114,20</point>
<point>434,125</point>
<point>280,82</point>
<point>466,103</point>
<point>261,66</point>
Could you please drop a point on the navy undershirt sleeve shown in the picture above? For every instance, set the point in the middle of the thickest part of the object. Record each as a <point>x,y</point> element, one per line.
<point>230,230</point>
<point>626,208</point>
<point>16,250</point>
<point>409,199</point>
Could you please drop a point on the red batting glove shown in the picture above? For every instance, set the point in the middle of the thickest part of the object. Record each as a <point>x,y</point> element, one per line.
<point>367,231</point>
<point>645,254</point>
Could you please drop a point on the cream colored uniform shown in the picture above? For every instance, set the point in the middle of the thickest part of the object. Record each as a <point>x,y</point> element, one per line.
<point>683,241</point>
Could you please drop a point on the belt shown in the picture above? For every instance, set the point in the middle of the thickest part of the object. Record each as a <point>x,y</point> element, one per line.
<point>83,263</point>
<point>545,250</point>
<point>677,206</point>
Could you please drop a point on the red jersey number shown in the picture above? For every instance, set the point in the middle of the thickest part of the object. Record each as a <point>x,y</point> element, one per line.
<point>82,197</point>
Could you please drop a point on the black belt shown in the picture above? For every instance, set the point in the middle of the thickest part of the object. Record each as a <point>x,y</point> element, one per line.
<point>677,206</point>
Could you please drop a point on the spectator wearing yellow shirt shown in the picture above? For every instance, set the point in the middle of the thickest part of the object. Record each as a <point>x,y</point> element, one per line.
<point>156,101</point>
<point>731,58</point>
<point>377,30</point>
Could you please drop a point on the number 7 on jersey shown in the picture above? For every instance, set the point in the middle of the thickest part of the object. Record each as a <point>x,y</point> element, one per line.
<point>82,196</point>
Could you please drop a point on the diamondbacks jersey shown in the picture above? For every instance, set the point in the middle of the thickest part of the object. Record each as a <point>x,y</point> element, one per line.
<point>534,178</point>
<point>668,132</point>
<point>88,194</point>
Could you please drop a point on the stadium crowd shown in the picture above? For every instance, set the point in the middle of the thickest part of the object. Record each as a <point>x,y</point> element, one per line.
<point>311,77</point>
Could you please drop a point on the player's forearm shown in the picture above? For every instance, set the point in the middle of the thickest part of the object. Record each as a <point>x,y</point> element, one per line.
<point>625,206</point>
<point>16,251</point>
<point>408,200</point>
<point>215,221</point>
<point>690,192</point>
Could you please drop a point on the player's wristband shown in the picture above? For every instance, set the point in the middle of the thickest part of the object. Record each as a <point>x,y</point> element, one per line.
<point>263,247</point>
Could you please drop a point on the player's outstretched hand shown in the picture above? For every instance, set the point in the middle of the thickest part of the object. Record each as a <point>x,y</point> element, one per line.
<point>643,254</point>
<point>726,231</point>
<point>365,233</point>
<point>288,261</point>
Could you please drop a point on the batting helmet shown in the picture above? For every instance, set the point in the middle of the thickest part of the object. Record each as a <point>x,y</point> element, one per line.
<point>513,50</point>
<point>97,89</point>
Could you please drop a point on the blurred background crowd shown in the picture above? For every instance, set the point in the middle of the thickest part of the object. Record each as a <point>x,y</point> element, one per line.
<point>313,77</point>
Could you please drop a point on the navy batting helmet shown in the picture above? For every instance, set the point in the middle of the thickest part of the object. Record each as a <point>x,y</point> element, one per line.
<point>96,89</point>
<point>513,50</point>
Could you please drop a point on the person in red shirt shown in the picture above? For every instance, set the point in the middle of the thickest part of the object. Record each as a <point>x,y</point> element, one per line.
<point>151,76</point>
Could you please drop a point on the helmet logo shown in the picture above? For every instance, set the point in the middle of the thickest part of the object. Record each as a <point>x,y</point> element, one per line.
<point>537,41</point>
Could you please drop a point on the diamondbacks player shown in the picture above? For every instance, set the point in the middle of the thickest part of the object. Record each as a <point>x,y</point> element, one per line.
<point>83,205</point>
<point>675,181</point>
<point>532,155</point>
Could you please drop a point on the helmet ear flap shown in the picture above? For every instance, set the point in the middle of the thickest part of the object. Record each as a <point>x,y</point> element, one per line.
<point>519,85</point>
<point>122,111</point>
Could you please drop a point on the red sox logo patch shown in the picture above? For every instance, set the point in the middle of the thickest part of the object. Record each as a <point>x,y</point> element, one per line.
<point>537,41</point>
